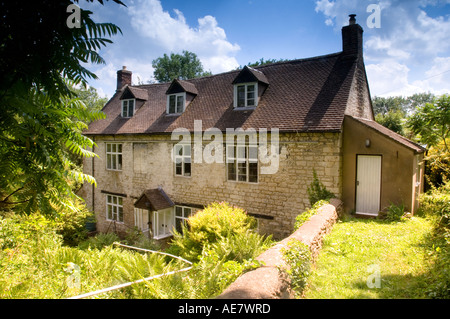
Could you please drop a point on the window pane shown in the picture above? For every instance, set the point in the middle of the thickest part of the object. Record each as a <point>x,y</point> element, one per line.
<point>114,162</point>
<point>110,212</point>
<point>119,148</point>
<point>180,102</point>
<point>253,172</point>
<point>242,172</point>
<point>172,104</point>
<point>178,169</point>
<point>187,150</point>
<point>108,148</point>
<point>179,150</point>
<point>130,108</point>
<point>178,211</point>
<point>124,108</point>
<point>178,223</point>
<point>187,169</point>
<point>119,157</point>
<point>120,200</point>
<point>241,152</point>
<point>230,154</point>
<point>253,153</point>
<point>232,171</point>
<point>120,214</point>
<point>113,148</point>
<point>241,95</point>
<point>187,212</point>
<point>108,161</point>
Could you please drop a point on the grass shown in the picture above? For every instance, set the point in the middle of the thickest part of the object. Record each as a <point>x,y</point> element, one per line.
<point>357,248</point>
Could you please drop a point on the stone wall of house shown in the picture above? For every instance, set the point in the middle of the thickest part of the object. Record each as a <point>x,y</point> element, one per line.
<point>268,281</point>
<point>277,198</point>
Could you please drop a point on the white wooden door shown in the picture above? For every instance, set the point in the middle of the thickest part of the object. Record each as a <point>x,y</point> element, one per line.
<point>368,184</point>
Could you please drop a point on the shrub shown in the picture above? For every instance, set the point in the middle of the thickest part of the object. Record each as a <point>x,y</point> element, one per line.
<point>317,191</point>
<point>217,221</point>
<point>99,241</point>
<point>298,258</point>
<point>394,213</point>
<point>305,216</point>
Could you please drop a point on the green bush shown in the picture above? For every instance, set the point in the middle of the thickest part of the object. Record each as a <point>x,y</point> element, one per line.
<point>317,191</point>
<point>435,204</point>
<point>394,213</point>
<point>305,216</point>
<point>99,241</point>
<point>215,222</point>
<point>298,258</point>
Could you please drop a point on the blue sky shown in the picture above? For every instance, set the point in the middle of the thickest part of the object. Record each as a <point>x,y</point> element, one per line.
<point>408,53</point>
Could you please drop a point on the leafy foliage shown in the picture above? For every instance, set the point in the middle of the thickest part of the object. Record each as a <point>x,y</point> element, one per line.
<point>34,148</point>
<point>178,66</point>
<point>431,123</point>
<point>217,221</point>
<point>298,258</point>
<point>41,119</point>
<point>305,216</point>
<point>317,191</point>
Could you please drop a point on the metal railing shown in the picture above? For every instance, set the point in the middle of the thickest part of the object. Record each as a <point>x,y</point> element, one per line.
<point>101,291</point>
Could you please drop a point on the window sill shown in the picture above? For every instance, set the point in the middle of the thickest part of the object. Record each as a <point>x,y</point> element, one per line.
<point>162,236</point>
<point>244,108</point>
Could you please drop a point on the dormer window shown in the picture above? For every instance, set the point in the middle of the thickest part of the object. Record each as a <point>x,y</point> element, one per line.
<point>246,95</point>
<point>128,107</point>
<point>176,103</point>
<point>179,94</point>
<point>249,86</point>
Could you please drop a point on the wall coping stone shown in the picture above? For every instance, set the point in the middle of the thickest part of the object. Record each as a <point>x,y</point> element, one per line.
<point>268,282</point>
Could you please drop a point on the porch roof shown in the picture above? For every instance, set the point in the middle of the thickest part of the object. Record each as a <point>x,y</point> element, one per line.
<point>154,200</point>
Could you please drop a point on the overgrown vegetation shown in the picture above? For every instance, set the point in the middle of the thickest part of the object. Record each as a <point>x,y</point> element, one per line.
<point>36,263</point>
<point>305,216</point>
<point>317,191</point>
<point>298,259</point>
<point>436,205</point>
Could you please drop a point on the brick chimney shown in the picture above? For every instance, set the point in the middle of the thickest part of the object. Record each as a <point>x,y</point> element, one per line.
<point>123,78</point>
<point>352,40</point>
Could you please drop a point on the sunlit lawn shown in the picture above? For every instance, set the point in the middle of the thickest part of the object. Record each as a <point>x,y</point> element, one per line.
<point>356,248</point>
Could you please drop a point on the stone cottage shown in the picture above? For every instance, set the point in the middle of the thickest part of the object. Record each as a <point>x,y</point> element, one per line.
<point>250,137</point>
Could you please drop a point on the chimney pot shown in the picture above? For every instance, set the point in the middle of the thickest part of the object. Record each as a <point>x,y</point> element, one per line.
<point>123,78</point>
<point>352,39</point>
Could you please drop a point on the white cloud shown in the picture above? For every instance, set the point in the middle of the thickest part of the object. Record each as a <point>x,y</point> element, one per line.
<point>409,42</point>
<point>173,34</point>
<point>391,78</point>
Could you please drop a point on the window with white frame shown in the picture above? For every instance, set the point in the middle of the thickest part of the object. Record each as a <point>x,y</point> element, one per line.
<point>246,95</point>
<point>114,208</point>
<point>128,108</point>
<point>163,221</point>
<point>182,158</point>
<point>176,103</point>
<point>182,213</point>
<point>242,163</point>
<point>114,156</point>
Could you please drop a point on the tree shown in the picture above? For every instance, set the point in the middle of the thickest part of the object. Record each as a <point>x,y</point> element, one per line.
<point>178,66</point>
<point>431,123</point>
<point>41,120</point>
<point>393,120</point>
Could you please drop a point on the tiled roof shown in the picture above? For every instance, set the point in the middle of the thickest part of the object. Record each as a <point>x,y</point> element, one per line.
<point>154,199</point>
<point>307,95</point>
<point>140,94</point>
<point>392,135</point>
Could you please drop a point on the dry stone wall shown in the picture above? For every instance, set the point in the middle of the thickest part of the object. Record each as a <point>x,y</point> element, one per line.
<point>268,282</point>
